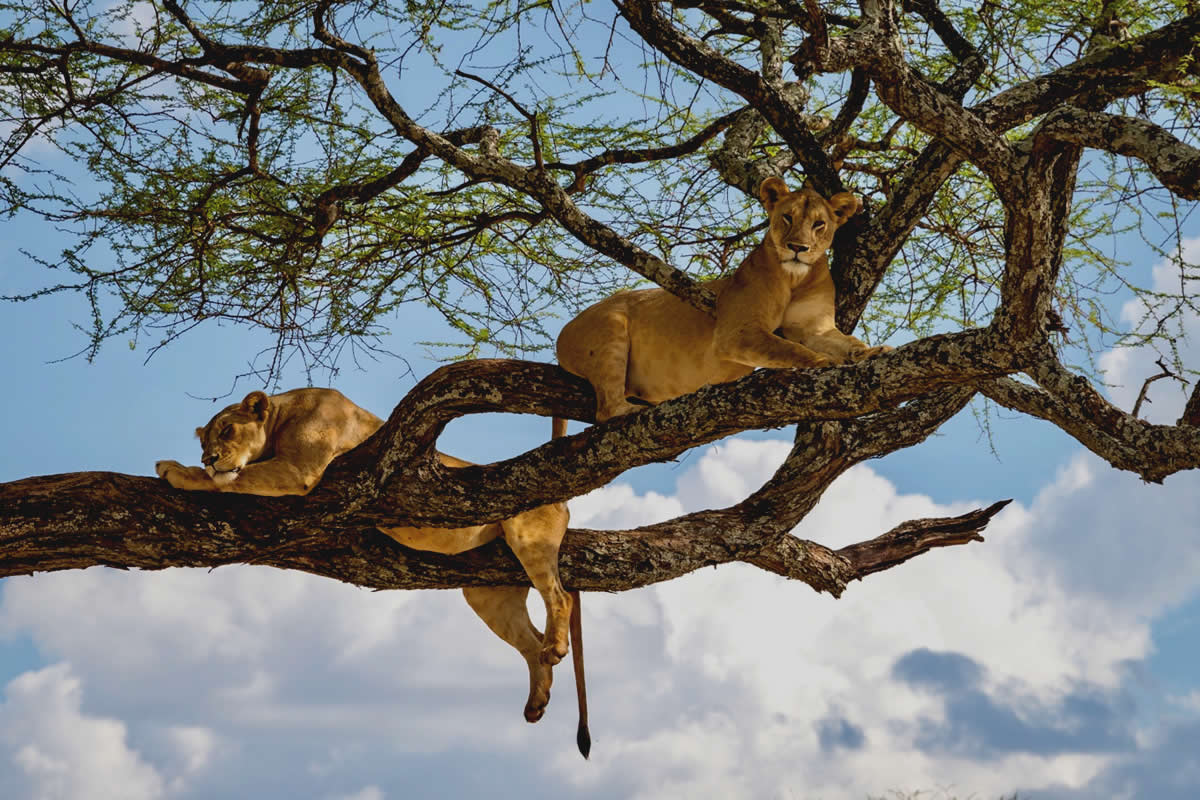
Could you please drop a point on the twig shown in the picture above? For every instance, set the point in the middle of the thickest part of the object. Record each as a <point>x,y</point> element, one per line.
<point>534,130</point>
<point>1166,373</point>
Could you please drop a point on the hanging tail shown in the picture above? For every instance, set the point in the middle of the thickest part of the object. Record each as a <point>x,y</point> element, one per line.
<point>582,737</point>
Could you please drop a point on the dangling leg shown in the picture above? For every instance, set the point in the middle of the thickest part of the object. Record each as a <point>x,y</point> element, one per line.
<point>503,609</point>
<point>534,537</point>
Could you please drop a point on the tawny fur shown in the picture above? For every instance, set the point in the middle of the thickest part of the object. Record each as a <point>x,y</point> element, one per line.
<point>281,445</point>
<point>776,310</point>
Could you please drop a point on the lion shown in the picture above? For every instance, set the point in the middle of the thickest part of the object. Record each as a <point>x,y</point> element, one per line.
<point>776,310</point>
<point>281,444</point>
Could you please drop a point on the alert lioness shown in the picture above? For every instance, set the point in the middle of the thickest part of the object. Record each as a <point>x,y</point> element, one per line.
<point>776,310</point>
<point>281,445</point>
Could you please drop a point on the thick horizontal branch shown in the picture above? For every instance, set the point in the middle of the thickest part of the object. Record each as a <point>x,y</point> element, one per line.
<point>105,519</point>
<point>576,464</point>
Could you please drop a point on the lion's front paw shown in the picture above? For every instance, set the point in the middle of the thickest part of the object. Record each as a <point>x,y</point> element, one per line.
<point>868,352</point>
<point>162,468</point>
<point>182,477</point>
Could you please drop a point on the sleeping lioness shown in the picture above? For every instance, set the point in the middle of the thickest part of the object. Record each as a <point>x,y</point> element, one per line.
<point>776,310</point>
<point>281,445</point>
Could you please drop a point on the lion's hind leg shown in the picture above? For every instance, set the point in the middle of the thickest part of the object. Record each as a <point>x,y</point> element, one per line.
<point>534,537</point>
<point>503,609</point>
<point>595,345</point>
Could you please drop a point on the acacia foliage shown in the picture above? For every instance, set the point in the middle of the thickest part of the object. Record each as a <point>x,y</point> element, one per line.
<point>219,160</point>
<point>308,167</point>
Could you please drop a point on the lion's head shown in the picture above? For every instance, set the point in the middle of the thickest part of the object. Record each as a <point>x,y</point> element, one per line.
<point>236,436</point>
<point>802,224</point>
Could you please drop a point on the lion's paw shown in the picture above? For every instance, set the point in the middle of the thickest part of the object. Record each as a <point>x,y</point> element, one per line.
<point>534,711</point>
<point>182,477</point>
<point>868,352</point>
<point>540,679</point>
<point>161,468</point>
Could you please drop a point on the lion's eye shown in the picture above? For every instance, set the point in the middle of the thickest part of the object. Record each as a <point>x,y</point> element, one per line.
<point>818,225</point>
<point>787,218</point>
<point>227,432</point>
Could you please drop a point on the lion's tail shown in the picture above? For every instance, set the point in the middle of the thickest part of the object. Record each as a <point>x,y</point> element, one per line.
<point>582,737</point>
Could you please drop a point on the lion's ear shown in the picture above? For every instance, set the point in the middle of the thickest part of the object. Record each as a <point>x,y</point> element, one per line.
<point>257,403</point>
<point>199,433</point>
<point>771,191</point>
<point>845,205</point>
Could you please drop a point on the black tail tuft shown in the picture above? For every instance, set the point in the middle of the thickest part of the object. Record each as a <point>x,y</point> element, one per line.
<point>584,740</point>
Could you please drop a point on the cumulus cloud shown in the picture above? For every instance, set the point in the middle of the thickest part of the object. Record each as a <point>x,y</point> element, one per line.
<point>992,667</point>
<point>55,751</point>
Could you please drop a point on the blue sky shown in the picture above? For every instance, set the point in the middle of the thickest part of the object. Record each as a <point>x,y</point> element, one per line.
<point>1056,659</point>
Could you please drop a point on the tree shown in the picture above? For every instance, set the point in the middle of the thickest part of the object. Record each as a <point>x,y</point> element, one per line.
<point>257,164</point>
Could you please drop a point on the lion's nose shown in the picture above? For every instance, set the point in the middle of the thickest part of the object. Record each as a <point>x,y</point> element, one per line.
<point>208,460</point>
<point>798,248</point>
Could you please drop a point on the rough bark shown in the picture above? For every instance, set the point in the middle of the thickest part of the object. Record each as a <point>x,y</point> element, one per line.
<point>89,519</point>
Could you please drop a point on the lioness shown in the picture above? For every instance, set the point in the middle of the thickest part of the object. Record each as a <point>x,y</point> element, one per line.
<point>776,310</point>
<point>281,445</point>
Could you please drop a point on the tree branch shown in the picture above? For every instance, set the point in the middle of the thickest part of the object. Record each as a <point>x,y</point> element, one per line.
<point>105,519</point>
<point>1128,68</point>
<point>572,465</point>
<point>918,536</point>
<point>776,106</point>
<point>1174,163</point>
<point>1124,441</point>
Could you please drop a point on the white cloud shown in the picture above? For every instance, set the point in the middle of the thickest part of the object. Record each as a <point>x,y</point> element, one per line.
<point>1051,611</point>
<point>192,749</point>
<point>61,753</point>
